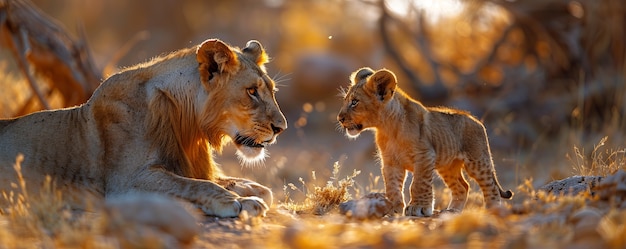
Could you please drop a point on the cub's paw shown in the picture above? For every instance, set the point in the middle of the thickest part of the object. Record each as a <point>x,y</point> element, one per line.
<point>451,211</point>
<point>418,210</point>
<point>397,208</point>
<point>253,205</point>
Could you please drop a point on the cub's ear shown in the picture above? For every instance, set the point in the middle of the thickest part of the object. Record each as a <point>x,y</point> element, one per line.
<point>255,52</point>
<point>360,75</point>
<point>214,58</point>
<point>382,84</point>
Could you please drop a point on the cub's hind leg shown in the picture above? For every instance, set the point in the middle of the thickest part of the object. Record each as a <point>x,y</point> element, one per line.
<point>452,176</point>
<point>482,171</point>
<point>479,165</point>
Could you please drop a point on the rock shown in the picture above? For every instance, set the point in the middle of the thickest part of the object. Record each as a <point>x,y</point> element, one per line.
<point>141,219</point>
<point>613,188</point>
<point>572,185</point>
<point>370,206</point>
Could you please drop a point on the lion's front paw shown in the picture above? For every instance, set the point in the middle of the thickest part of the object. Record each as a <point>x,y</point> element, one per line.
<point>418,210</point>
<point>227,208</point>
<point>248,188</point>
<point>253,205</point>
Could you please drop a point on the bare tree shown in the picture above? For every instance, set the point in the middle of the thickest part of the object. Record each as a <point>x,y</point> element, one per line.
<point>577,46</point>
<point>40,45</point>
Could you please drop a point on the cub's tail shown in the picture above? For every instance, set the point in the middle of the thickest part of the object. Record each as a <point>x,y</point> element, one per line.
<point>505,194</point>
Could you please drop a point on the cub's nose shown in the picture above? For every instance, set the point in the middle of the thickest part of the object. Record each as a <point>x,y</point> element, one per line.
<point>276,129</point>
<point>341,118</point>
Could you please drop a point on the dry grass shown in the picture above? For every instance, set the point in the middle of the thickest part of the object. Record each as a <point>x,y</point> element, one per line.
<point>600,162</point>
<point>42,220</point>
<point>45,220</point>
<point>539,220</point>
<point>320,199</point>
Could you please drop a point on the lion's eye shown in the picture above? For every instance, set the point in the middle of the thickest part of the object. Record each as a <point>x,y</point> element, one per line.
<point>252,91</point>
<point>354,103</point>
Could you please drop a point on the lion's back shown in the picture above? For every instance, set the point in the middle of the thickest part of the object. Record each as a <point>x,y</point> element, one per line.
<point>53,142</point>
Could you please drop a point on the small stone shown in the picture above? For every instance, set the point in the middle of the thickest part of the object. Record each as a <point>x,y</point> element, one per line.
<point>370,206</point>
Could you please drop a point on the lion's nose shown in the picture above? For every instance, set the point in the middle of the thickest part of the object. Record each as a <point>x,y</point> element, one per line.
<point>278,123</point>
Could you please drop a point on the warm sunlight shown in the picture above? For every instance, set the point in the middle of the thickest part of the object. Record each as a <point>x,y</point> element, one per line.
<point>435,9</point>
<point>163,127</point>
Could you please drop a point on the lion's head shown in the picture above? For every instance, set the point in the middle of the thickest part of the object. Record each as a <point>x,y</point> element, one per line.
<point>367,97</point>
<point>236,82</point>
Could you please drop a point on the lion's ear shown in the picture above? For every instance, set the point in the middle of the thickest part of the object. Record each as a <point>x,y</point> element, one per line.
<point>255,52</point>
<point>216,57</point>
<point>382,84</point>
<point>360,75</point>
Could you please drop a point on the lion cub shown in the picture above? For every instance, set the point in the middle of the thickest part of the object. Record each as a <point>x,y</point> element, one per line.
<point>421,139</point>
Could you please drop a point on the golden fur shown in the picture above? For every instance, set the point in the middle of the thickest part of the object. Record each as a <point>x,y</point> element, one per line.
<point>412,137</point>
<point>153,128</point>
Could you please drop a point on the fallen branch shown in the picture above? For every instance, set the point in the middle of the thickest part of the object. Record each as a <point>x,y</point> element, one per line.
<point>43,48</point>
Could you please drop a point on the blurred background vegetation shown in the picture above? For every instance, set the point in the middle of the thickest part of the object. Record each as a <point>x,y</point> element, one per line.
<point>546,76</point>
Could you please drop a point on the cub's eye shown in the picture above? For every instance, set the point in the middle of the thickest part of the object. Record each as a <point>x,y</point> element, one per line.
<point>252,91</point>
<point>354,103</point>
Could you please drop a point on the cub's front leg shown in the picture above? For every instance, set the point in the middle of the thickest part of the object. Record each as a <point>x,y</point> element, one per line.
<point>394,175</point>
<point>422,193</point>
<point>210,197</point>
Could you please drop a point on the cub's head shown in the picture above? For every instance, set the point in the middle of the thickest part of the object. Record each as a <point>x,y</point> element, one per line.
<point>239,102</point>
<point>366,99</point>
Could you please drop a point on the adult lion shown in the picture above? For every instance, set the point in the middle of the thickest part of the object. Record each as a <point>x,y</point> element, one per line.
<point>153,128</point>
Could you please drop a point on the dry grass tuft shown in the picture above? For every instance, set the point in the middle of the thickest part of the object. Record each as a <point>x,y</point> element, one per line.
<point>321,199</point>
<point>599,162</point>
<point>32,214</point>
<point>44,219</point>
